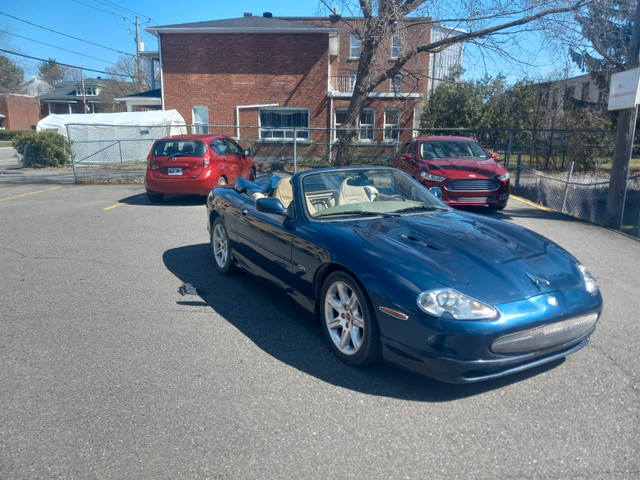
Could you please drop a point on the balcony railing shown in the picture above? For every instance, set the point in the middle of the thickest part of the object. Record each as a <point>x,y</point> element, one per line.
<point>342,83</point>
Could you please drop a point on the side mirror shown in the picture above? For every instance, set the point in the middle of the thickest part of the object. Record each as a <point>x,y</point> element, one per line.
<point>271,205</point>
<point>248,152</point>
<point>436,192</point>
<point>494,156</point>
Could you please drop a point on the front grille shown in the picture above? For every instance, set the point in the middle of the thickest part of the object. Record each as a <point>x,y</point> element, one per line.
<point>472,185</point>
<point>471,199</point>
<point>545,336</point>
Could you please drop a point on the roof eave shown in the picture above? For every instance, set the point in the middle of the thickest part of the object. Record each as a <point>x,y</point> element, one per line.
<point>305,31</point>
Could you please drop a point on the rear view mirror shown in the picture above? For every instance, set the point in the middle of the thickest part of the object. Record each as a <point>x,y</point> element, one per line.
<point>494,156</point>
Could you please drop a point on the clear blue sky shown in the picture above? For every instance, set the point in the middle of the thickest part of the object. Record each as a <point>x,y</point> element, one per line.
<point>101,29</point>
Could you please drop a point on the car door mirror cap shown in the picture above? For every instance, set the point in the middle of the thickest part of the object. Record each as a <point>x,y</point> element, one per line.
<point>436,192</point>
<point>271,205</point>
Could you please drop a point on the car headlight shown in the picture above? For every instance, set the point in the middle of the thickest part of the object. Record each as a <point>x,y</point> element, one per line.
<point>429,176</point>
<point>503,177</point>
<point>448,303</point>
<point>590,283</point>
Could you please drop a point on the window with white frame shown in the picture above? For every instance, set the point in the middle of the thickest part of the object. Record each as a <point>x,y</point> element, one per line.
<point>352,81</point>
<point>200,115</point>
<point>367,124</point>
<point>396,46</point>
<point>88,91</point>
<point>355,46</point>
<point>396,84</point>
<point>340,116</point>
<point>284,123</point>
<point>391,124</point>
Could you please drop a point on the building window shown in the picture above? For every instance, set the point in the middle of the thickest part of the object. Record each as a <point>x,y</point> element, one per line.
<point>396,46</point>
<point>88,92</point>
<point>352,82</point>
<point>367,124</point>
<point>200,115</point>
<point>391,124</point>
<point>396,84</point>
<point>284,123</point>
<point>355,46</point>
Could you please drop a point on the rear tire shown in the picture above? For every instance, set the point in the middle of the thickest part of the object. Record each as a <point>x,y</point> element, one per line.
<point>348,321</point>
<point>220,247</point>
<point>155,197</point>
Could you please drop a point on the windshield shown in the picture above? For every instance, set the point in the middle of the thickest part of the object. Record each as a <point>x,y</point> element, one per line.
<point>452,149</point>
<point>365,192</point>
<point>179,147</point>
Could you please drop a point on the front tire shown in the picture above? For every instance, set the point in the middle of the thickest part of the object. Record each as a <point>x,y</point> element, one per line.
<point>348,322</point>
<point>220,247</point>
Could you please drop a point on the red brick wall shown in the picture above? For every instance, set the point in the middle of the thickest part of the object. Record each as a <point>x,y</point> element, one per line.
<point>224,71</point>
<point>21,111</point>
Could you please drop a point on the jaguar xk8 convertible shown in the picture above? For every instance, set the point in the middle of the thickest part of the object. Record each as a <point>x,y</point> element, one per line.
<point>393,273</point>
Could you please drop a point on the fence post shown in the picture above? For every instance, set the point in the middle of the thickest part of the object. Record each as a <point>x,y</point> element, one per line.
<point>519,166</point>
<point>295,150</point>
<point>508,155</point>
<point>566,190</point>
<point>73,160</point>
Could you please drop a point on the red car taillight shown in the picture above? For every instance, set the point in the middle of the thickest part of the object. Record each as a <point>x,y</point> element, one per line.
<point>206,159</point>
<point>150,163</point>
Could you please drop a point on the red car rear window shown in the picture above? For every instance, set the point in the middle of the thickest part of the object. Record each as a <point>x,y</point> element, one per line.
<point>185,148</point>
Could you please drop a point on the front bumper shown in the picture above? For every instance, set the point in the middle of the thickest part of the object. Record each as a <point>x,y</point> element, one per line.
<point>528,333</point>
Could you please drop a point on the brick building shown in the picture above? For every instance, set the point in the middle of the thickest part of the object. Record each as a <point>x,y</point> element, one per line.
<point>288,73</point>
<point>20,112</point>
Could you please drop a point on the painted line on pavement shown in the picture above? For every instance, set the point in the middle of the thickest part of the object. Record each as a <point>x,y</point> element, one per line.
<point>531,203</point>
<point>113,206</point>
<point>30,193</point>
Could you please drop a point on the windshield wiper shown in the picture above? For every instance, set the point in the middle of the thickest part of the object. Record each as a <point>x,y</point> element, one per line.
<point>420,207</point>
<point>367,213</point>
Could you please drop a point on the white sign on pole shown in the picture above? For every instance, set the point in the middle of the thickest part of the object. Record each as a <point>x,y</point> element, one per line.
<point>625,90</point>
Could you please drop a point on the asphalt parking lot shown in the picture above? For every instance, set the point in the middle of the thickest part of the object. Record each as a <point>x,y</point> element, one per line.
<point>112,369</point>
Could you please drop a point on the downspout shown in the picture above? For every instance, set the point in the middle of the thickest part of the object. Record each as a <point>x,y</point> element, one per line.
<point>238,107</point>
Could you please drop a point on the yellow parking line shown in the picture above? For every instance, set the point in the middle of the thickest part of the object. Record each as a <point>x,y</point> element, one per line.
<point>113,206</point>
<point>30,193</point>
<point>523,200</point>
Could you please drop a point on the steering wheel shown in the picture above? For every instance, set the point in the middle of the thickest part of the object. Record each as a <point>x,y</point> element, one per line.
<point>395,197</point>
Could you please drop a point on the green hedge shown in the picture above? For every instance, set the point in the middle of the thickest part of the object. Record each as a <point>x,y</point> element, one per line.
<point>47,149</point>
<point>7,135</point>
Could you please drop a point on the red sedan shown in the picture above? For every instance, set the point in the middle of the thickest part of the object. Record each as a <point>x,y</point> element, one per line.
<point>465,172</point>
<point>194,164</point>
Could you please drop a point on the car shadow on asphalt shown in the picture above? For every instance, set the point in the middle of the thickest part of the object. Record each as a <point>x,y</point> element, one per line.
<point>142,200</point>
<point>285,331</point>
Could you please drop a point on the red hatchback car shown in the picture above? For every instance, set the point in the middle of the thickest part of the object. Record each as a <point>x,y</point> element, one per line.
<point>465,172</point>
<point>194,164</point>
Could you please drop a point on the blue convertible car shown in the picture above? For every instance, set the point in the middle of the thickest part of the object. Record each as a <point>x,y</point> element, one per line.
<point>395,274</point>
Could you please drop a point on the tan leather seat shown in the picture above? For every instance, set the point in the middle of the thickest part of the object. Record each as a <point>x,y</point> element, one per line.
<point>284,191</point>
<point>356,193</point>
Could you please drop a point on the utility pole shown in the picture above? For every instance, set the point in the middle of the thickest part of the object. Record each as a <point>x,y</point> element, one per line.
<point>138,66</point>
<point>624,143</point>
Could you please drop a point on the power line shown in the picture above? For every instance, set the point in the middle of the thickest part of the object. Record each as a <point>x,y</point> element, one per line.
<point>53,46</point>
<point>65,35</point>
<point>65,64</point>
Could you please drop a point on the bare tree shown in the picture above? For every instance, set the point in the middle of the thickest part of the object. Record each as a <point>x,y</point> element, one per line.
<point>497,23</point>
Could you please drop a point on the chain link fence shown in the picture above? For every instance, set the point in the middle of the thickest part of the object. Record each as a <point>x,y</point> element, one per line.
<point>565,170</point>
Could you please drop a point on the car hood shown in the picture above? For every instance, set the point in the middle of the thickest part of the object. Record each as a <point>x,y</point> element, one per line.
<point>485,167</point>
<point>485,258</point>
